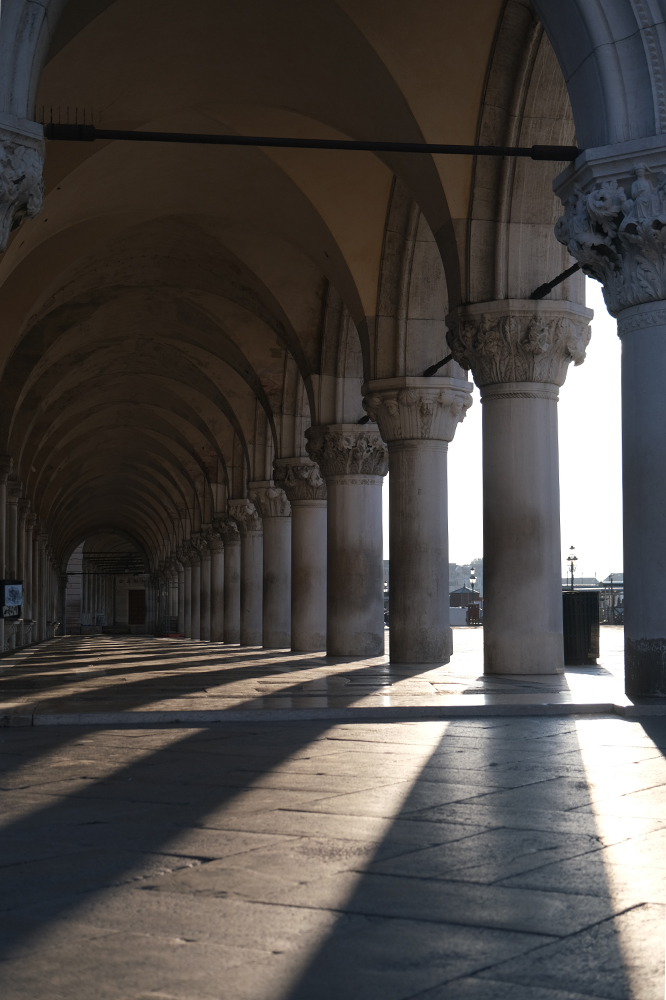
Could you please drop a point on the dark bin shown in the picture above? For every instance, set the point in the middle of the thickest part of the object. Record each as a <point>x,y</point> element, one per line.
<point>581,627</point>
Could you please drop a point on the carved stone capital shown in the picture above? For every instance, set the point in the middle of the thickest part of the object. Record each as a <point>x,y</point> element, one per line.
<point>21,162</point>
<point>270,501</point>
<point>614,222</point>
<point>519,340</point>
<point>245,514</point>
<point>408,408</point>
<point>300,479</point>
<point>227,528</point>
<point>14,490</point>
<point>194,550</point>
<point>347,449</point>
<point>214,540</point>
<point>201,541</point>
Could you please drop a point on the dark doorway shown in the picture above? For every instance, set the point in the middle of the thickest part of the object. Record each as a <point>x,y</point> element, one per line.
<point>136,607</point>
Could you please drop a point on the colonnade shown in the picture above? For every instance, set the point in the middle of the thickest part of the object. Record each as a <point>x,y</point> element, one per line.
<point>25,555</point>
<point>297,563</point>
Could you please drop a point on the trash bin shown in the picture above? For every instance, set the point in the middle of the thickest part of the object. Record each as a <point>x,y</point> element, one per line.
<point>581,627</point>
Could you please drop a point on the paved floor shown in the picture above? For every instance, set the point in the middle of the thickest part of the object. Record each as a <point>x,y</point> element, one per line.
<point>103,678</point>
<point>477,859</point>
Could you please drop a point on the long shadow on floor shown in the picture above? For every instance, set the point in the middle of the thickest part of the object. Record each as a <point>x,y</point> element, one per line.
<point>514,899</point>
<point>488,884</point>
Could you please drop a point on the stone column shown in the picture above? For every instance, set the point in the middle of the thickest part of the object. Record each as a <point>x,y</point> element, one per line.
<point>232,578</point>
<point>5,469</point>
<point>42,539</point>
<point>353,460</point>
<point>180,568</point>
<point>614,225</point>
<point>184,556</point>
<point>216,547</point>
<point>417,417</point>
<point>28,610</point>
<point>204,586</point>
<point>23,511</point>
<point>247,518</point>
<point>275,512</point>
<point>306,491</point>
<point>13,497</point>
<point>519,352</point>
<point>195,563</point>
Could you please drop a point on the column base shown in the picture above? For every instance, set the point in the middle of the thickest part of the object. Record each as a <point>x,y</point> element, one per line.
<point>523,653</point>
<point>645,668</point>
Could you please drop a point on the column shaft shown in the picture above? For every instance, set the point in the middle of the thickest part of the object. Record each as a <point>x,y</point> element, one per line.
<point>217,594</point>
<point>187,607</point>
<point>521,529</point>
<point>251,589</point>
<point>232,590</point>
<point>276,618</point>
<point>196,598</point>
<point>205,597</point>
<point>308,575</point>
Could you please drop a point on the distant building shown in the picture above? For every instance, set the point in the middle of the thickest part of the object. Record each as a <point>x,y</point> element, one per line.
<point>459,575</point>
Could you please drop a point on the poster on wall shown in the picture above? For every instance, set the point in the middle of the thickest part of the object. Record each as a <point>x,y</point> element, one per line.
<point>12,598</point>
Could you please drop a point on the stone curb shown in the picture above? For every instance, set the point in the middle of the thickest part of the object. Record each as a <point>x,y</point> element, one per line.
<point>389,714</point>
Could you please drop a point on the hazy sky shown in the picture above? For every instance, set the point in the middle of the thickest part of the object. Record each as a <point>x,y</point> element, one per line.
<point>590,460</point>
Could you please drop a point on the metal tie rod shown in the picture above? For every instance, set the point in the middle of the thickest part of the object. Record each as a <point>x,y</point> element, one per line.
<point>88,133</point>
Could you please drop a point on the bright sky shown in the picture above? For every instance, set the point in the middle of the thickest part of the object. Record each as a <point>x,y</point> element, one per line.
<point>590,461</point>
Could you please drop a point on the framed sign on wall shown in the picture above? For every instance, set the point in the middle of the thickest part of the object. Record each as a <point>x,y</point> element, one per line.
<point>12,598</point>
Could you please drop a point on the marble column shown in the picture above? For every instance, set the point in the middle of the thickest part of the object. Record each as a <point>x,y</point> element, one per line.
<point>306,491</point>
<point>180,569</point>
<point>275,512</point>
<point>195,563</point>
<point>28,609</point>
<point>519,352</point>
<point>13,497</point>
<point>353,460</point>
<point>247,518</point>
<point>216,547</point>
<point>205,585</point>
<point>42,540</point>
<point>614,226</point>
<point>232,578</point>
<point>417,417</point>
<point>5,469</point>
<point>23,511</point>
<point>184,556</point>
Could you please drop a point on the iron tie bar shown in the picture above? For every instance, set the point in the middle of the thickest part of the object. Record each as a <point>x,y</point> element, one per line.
<point>89,133</point>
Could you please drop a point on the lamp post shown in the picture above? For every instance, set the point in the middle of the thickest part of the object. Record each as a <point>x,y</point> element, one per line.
<point>472,579</point>
<point>572,559</point>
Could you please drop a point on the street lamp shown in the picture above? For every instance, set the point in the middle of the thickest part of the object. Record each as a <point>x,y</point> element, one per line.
<point>572,559</point>
<point>472,578</point>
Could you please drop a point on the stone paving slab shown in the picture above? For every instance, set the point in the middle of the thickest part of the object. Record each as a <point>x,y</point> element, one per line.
<point>320,860</point>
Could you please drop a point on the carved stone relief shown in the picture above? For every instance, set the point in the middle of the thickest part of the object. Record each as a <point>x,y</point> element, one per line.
<point>347,449</point>
<point>616,230</point>
<point>270,501</point>
<point>523,344</point>
<point>417,409</point>
<point>300,481</point>
<point>21,185</point>
<point>245,514</point>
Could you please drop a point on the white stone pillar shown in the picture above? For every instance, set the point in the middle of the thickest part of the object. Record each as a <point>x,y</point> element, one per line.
<point>195,563</point>
<point>204,586</point>
<point>42,539</point>
<point>614,226</point>
<point>216,547</point>
<point>273,506</point>
<point>251,587</point>
<point>353,460</point>
<point>417,417</point>
<point>232,578</point>
<point>187,602</point>
<point>306,491</point>
<point>28,610</point>
<point>5,469</point>
<point>519,352</point>
<point>13,496</point>
<point>180,568</point>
